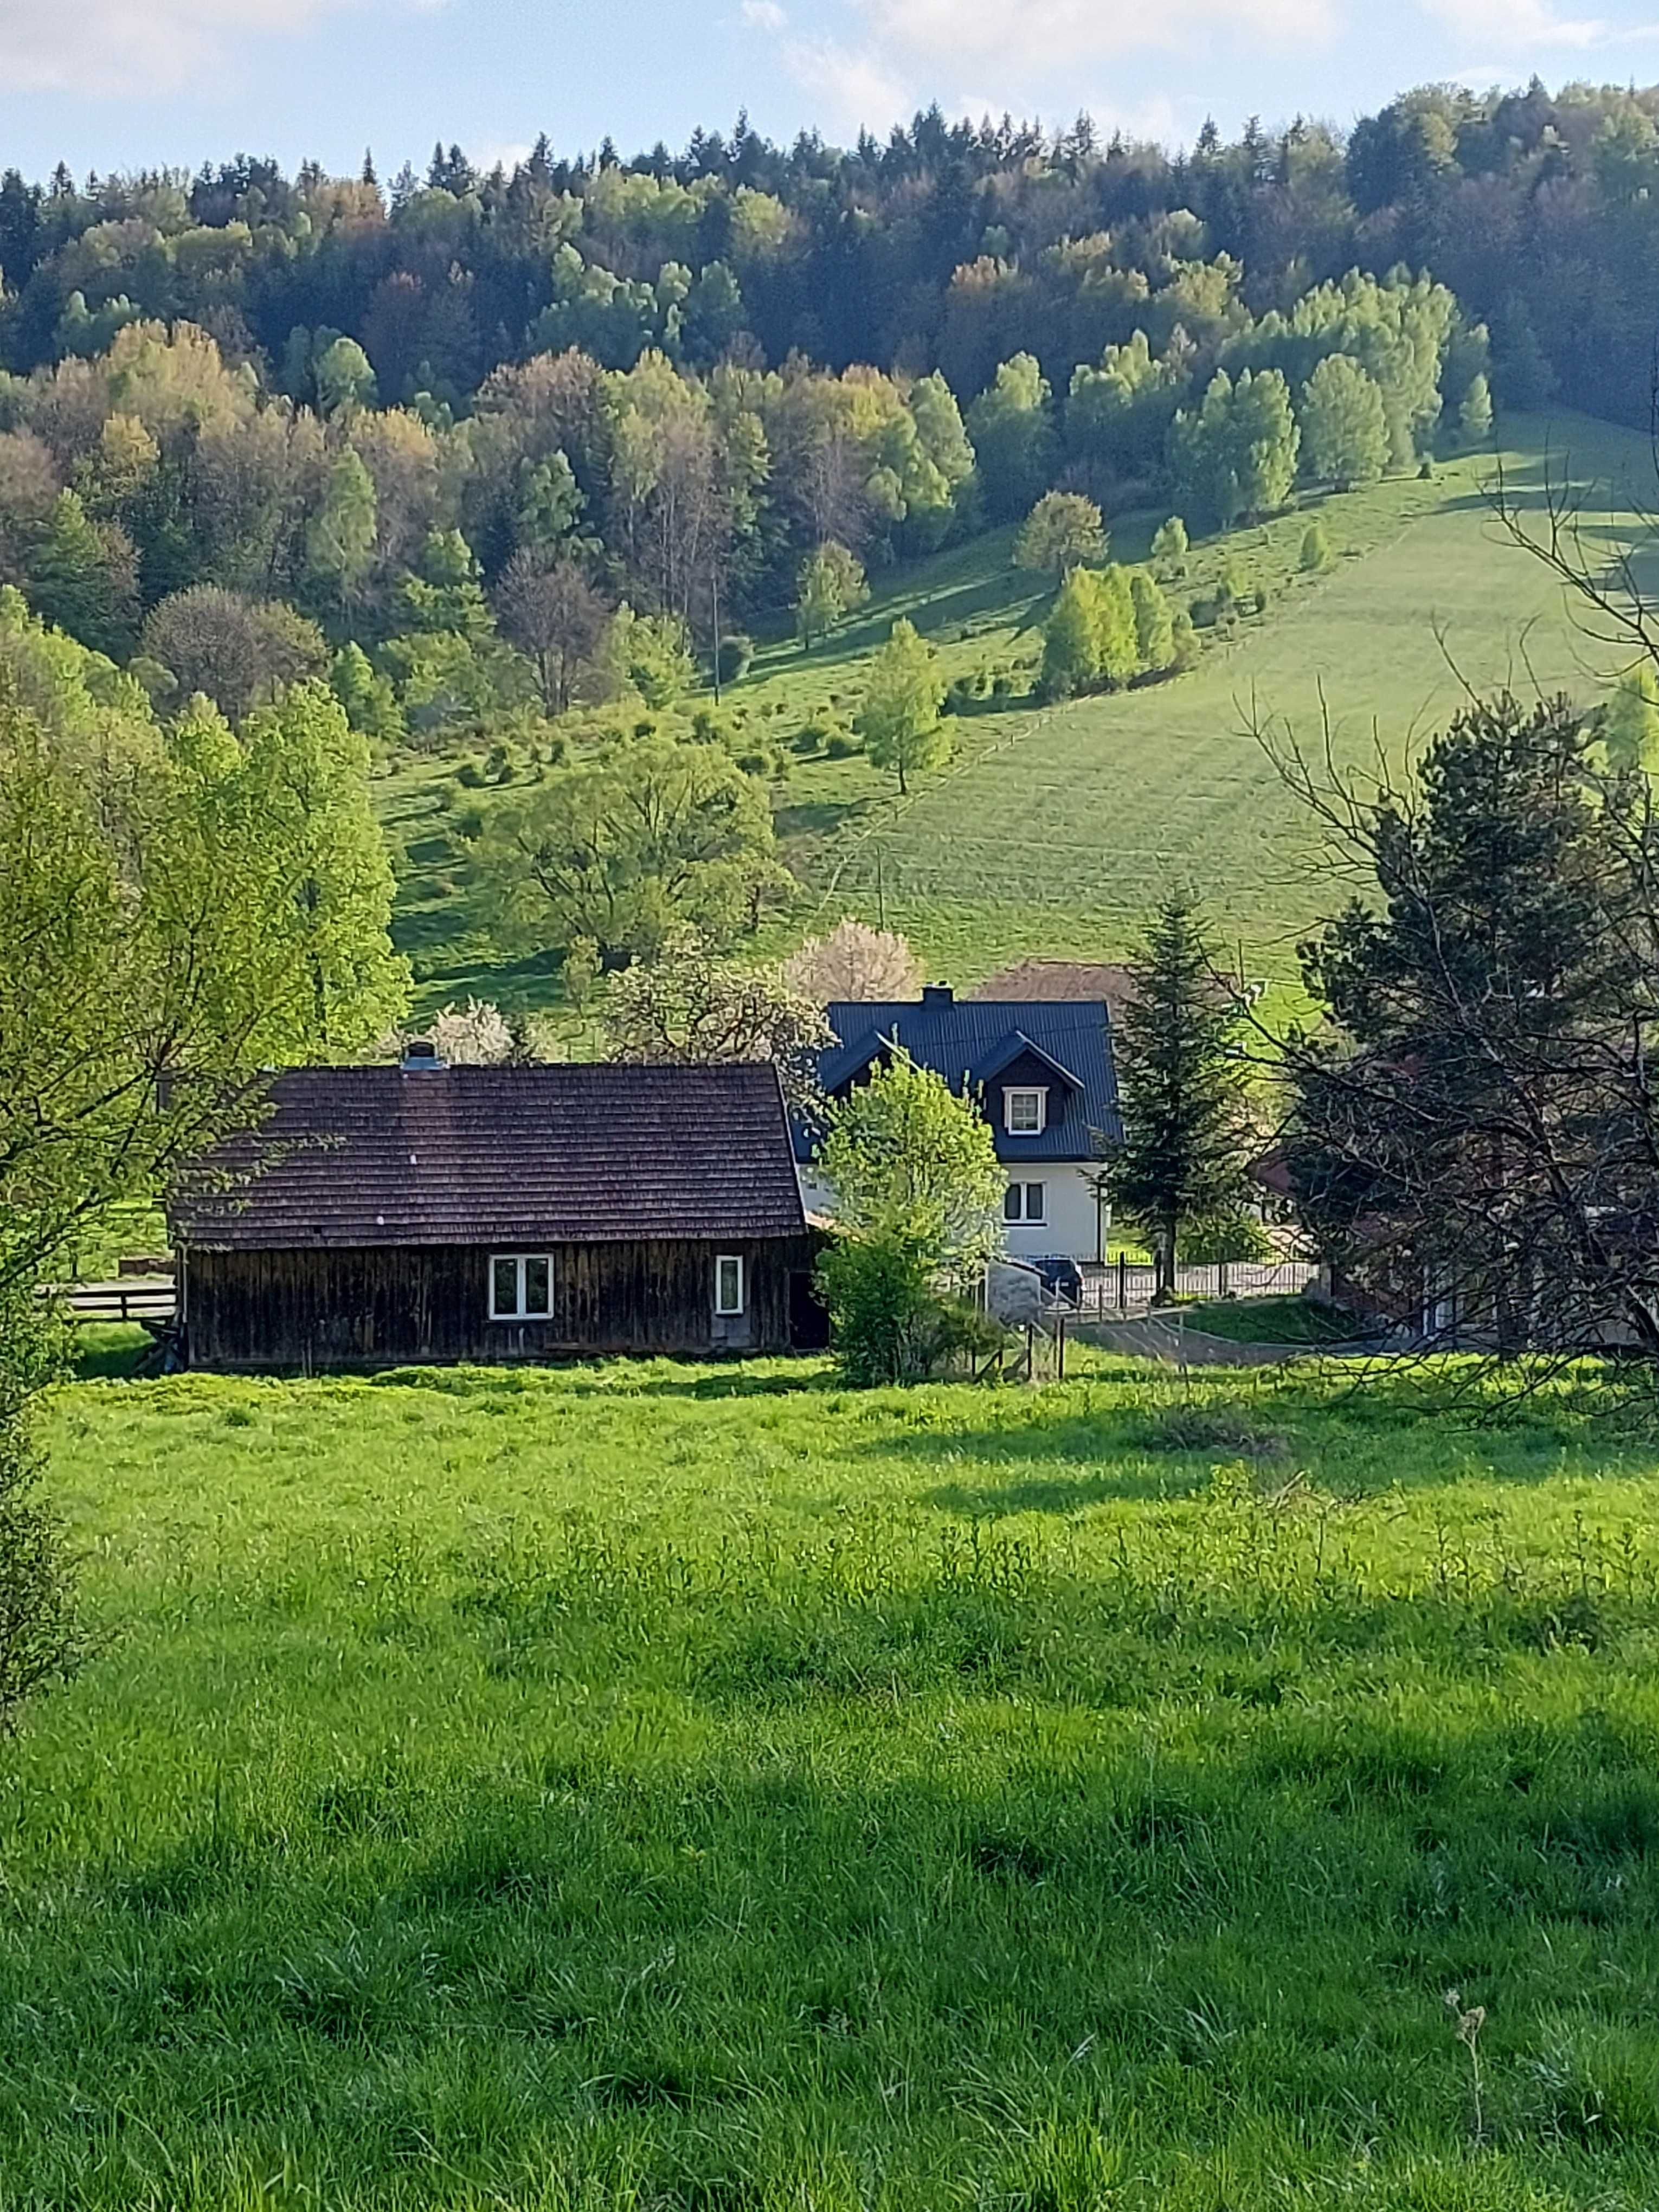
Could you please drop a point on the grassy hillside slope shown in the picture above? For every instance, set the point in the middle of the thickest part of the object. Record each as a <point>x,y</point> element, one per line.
<point>709,1791</point>
<point>1054,829</point>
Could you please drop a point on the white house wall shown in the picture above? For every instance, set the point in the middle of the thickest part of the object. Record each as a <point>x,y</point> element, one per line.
<point>1070,1229</point>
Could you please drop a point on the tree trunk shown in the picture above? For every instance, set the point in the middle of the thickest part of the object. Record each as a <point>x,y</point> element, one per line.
<point>1165,1290</point>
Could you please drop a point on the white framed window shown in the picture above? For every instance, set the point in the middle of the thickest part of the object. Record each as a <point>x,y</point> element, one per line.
<point>1024,1111</point>
<point>521,1285</point>
<point>729,1285</point>
<point>1026,1202</point>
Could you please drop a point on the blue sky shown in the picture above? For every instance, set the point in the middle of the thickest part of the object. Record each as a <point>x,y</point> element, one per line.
<point>114,83</point>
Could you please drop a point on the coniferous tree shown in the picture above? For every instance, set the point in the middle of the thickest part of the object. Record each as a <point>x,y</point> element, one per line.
<point>1169,547</point>
<point>1183,1085</point>
<point>1474,415</point>
<point>1472,1127</point>
<point>82,578</point>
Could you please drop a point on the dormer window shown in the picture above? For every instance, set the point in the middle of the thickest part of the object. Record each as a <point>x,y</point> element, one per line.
<point>1024,1111</point>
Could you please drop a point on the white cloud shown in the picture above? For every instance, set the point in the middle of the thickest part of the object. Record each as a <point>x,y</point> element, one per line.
<point>1016,38</point>
<point>857,88</point>
<point>1505,26</point>
<point>762,15</point>
<point>508,153</point>
<point>121,45</point>
<point>910,46</point>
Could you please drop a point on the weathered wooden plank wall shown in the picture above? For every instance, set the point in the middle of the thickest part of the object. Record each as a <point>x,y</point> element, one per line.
<point>389,1306</point>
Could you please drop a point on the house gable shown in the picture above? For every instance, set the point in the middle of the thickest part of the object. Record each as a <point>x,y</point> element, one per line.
<point>984,1050</point>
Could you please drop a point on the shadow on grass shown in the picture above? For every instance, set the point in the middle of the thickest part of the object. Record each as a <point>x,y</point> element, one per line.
<point>625,1379</point>
<point>1058,1495</point>
<point>111,1352</point>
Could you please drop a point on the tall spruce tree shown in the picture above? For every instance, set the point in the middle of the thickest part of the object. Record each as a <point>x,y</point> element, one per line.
<point>1183,1083</point>
<point>1472,1127</point>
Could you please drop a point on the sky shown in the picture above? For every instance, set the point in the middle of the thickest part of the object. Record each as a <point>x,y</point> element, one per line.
<point>115,84</point>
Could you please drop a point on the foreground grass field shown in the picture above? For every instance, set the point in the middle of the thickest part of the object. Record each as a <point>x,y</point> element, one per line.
<point>1053,831</point>
<point>708,1790</point>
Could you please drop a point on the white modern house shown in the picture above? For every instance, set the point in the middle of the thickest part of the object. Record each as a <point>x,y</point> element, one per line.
<point>1040,1071</point>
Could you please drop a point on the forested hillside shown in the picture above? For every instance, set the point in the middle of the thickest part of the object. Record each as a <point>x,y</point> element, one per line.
<point>486,453</point>
<point>948,247</point>
<point>388,357</point>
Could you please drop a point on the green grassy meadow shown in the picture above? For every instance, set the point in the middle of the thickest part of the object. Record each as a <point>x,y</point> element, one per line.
<point>655,1787</point>
<point>1053,830</point>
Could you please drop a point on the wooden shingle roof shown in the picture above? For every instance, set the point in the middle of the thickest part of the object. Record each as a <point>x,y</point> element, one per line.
<point>351,1157</point>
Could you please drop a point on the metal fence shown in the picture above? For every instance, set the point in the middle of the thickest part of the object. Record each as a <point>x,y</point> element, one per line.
<point>1121,1286</point>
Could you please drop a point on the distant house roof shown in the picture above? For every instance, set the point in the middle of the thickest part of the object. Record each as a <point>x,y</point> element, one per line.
<point>971,1041</point>
<point>358,1157</point>
<point>1047,980</point>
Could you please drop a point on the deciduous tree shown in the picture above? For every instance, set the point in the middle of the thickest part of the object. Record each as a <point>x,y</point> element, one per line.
<point>899,720</point>
<point>1012,427</point>
<point>917,1194</point>
<point>691,1007</point>
<point>557,618</point>
<point>854,961</point>
<point>627,847</point>
<point>236,652</point>
<point>1062,531</point>
<point>831,585</point>
<point>1345,426</point>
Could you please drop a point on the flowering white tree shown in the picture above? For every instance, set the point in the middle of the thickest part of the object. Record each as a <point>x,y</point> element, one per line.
<point>853,961</point>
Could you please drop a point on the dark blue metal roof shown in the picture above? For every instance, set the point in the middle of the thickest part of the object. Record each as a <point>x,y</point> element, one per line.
<point>969,1039</point>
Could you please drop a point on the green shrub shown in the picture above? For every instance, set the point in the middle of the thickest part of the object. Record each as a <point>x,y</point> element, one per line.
<point>471,776</point>
<point>842,744</point>
<point>736,653</point>
<point>1233,1237</point>
<point>1315,549</point>
<point>888,1322</point>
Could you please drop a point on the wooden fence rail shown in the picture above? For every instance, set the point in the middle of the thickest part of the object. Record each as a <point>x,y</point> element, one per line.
<point>153,1304</point>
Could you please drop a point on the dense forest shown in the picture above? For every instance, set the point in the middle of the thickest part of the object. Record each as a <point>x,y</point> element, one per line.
<point>475,449</point>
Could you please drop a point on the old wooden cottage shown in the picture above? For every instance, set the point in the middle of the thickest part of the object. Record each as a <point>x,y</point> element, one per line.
<point>420,1212</point>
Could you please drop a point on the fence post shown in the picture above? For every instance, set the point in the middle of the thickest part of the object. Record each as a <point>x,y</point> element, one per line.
<point>1123,1282</point>
<point>1222,1292</point>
